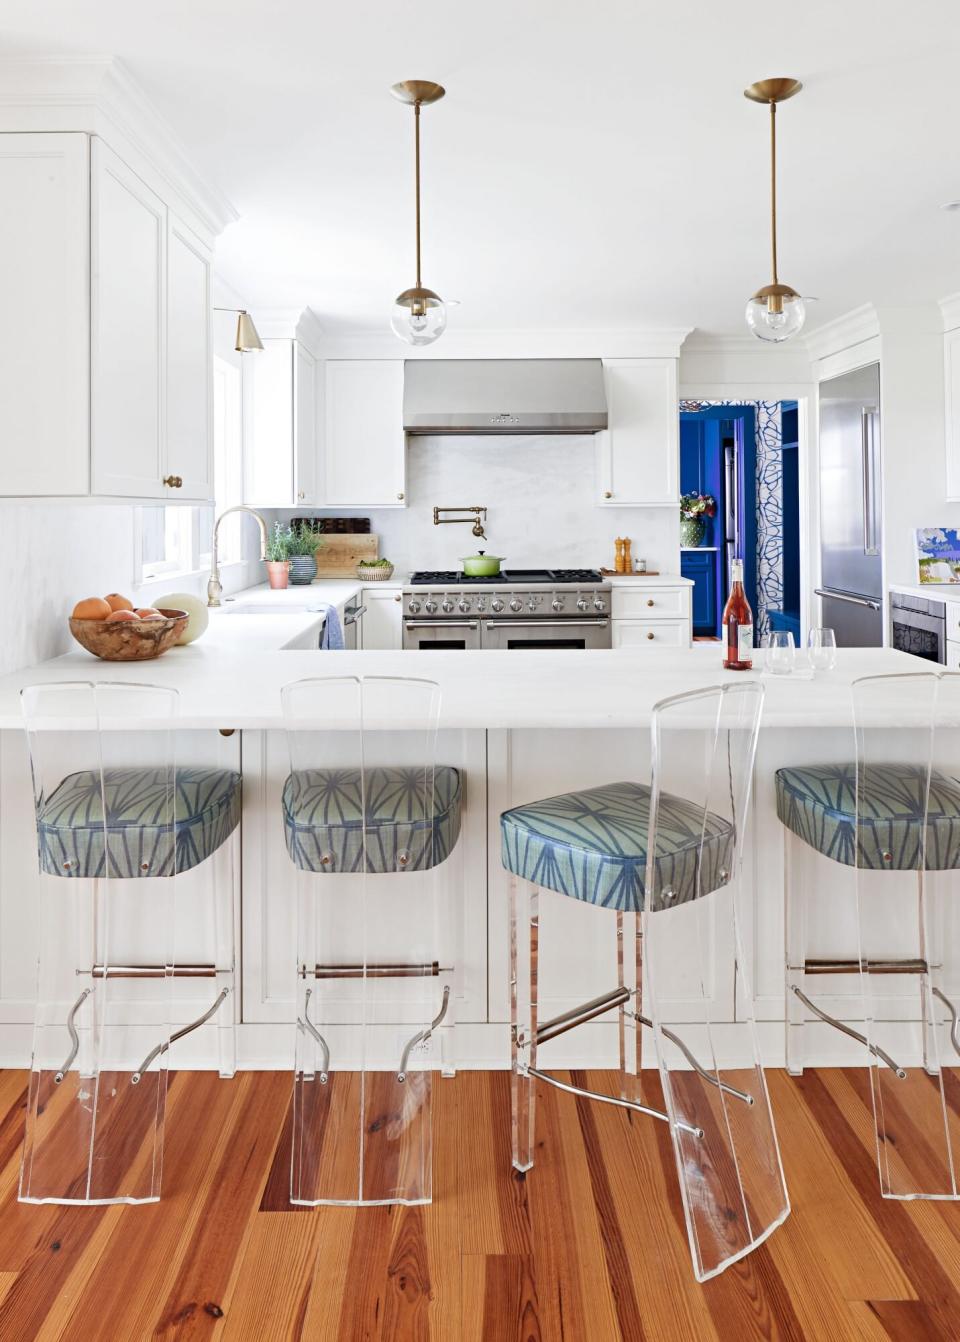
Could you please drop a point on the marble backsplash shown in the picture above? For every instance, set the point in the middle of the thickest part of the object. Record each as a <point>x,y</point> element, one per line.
<point>539,492</point>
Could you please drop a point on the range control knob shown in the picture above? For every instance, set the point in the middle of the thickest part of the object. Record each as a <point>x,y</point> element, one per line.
<point>557,603</point>
<point>446,605</point>
<point>463,605</point>
<point>531,604</point>
<point>496,605</point>
<point>598,602</point>
<point>582,603</point>
<point>430,606</point>
<point>516,604</point>
<point>413,606</point>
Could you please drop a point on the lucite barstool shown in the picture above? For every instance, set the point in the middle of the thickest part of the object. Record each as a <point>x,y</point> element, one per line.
<point>660,863</point>
<point>892,815</point>
<point>118,826</point>
<point>365,803</point>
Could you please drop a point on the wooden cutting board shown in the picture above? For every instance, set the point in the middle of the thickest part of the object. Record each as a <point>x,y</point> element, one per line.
<point>338,556</point>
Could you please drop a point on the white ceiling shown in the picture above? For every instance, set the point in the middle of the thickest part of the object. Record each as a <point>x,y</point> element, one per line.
<point>592,166</point>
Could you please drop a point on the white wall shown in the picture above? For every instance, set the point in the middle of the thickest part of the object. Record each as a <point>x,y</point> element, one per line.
<point>540,493</point>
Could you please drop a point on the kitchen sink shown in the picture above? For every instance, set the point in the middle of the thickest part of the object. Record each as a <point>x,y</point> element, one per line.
<point>268,608</point>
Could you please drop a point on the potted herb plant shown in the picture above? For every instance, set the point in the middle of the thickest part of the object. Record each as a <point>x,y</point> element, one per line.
<point>302,543</point>
<point>694,511</point>
<point>275,555</point>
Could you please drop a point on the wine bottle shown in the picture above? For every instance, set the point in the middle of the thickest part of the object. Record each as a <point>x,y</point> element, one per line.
<point>738,623</point>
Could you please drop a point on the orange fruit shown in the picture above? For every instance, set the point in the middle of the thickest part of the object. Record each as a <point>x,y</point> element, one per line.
<point>91,608</point>
<point>121,617</point>
<point>148,613</point>
<point>117,602</point>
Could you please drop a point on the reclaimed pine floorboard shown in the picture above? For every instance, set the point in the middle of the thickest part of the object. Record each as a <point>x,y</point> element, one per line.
<point>590,1247</point>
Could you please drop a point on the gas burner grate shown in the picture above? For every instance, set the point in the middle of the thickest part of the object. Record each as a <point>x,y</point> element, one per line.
<point>514,576</point>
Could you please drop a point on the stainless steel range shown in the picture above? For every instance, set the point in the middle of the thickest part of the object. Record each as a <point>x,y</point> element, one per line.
<point>520,608</point>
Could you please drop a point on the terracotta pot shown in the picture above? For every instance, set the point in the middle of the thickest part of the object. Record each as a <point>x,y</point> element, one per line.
<point>278,573</point>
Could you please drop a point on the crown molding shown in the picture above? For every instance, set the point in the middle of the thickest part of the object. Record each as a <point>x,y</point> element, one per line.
<point>97,94</point>
<point>853,328</point>
<point>662,343</point>
<point>950,308</point>
<point>310,332</point>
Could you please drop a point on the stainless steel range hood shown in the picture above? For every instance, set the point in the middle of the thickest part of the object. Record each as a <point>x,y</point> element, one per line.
<point>503,396</point>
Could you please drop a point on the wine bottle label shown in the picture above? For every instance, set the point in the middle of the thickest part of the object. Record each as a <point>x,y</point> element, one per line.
<point>745,642</point>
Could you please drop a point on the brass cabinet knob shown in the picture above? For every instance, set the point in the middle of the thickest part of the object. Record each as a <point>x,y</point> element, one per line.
<point>649,600</point>
<point>397,597</point>
<point>400,497</point>
<point>608,493</point>
<point>650,635</point>
<point>174,481</point>
<point>300,494</point>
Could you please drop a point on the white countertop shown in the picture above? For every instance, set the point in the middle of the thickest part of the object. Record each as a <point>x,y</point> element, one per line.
<point>648,580</point>
<point>231,677</point>
<point>940,591</point>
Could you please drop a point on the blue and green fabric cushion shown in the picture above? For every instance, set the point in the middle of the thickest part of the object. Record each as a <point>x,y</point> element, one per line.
<point>592,845</point>
<point>818,803</point>
<point>138,830</point>
<point>409,825</point>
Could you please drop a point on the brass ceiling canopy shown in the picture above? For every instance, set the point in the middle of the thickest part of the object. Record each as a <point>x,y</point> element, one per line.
<point>776,311</point>
<point>419,315</point>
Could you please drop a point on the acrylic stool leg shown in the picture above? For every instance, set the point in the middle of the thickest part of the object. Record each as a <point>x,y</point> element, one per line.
<point>524,936</point>
<point>795,947</point>
<point>224,869</point>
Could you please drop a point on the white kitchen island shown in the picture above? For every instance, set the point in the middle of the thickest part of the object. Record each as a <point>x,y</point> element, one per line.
<point>521,725</point>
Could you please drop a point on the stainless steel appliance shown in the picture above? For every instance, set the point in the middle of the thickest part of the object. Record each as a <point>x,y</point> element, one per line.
<point>519,609</point>
<point>851,525</point>
<point>919,625</point>
<point>504,396</point>
<point>353,613</point>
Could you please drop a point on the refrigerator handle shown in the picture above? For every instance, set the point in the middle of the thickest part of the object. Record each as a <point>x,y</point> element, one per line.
<point>868,456</point>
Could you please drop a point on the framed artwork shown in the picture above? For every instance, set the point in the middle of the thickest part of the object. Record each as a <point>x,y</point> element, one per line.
<point>938,555</point>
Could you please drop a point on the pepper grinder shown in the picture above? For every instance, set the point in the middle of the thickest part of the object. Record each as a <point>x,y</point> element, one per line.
<point>627,560</point>
<point>618,563</point>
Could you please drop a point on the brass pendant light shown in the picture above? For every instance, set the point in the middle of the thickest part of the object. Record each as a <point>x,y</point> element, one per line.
<point>776,312</point>
<point>419,315</point>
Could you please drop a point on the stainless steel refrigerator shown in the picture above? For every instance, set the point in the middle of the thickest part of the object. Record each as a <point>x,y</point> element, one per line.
<point>851,519</point>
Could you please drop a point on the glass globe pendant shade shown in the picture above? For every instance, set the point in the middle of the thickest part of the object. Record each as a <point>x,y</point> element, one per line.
<point>775,313</point>
<point>419,316</point>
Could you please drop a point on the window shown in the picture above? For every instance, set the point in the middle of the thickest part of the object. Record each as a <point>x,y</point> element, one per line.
<point>228,454</point>
<point>165,541</point>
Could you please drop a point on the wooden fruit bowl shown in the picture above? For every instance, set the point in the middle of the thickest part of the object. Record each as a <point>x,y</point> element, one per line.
<point>130,640</point>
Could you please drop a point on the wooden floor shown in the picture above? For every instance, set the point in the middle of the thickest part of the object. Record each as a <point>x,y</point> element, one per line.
<point>590,1247</point>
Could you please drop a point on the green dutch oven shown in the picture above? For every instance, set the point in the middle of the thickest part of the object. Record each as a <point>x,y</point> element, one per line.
<point>481,565</point>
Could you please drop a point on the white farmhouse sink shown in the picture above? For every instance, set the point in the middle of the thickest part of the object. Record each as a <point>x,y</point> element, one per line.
<point>267,608</point>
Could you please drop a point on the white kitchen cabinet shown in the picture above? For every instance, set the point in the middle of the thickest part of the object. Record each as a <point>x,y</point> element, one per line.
<point>382,623</point>
<point>650,634</point>
<point>650,614</point>
<point>45,331</point>
<point>188,436</point>
<point>638,455</point>
<point>953,655</point>
<point>305,449</point>
<point>364,447</point>
<point>128,248</point>
<point>281,461</point>
<point>951,377</point>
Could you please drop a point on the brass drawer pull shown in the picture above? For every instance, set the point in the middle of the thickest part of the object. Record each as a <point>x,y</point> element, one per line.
<point>651,634</point>
<point>608,493</point>
<point>174,481</point>
<point>649,600</point>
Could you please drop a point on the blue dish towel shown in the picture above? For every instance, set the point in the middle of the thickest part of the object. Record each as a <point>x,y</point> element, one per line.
<point>332,639</point>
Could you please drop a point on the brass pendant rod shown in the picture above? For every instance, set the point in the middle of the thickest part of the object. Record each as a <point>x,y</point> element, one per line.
<point>773,188</point>
<point>416,123</point>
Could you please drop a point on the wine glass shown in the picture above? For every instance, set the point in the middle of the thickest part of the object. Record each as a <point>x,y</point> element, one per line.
<point>822,649</point>
<point>780,652</point>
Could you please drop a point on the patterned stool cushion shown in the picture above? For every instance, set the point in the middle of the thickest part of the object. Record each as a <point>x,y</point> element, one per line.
<point>818,803</point>
<point>592,846</point>
<point>406,830</point>
<point>71,831</point>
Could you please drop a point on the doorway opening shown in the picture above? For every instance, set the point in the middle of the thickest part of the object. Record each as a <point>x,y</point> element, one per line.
<point>745,456</point>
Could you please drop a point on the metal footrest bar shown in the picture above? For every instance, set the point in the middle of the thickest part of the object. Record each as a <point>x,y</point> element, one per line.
<point>74,1037</point>
<point>954,1018</point>
<point>701,1071</point>
<point>307,1023</point>
<point>854,1034</point>
<point>579,1015</point>
<point>868,966</point>
<point>611,1099</point>
<point>187,1029</point>
<point>422,1035</point>
<point>153,971</point>
<point>398,971</point>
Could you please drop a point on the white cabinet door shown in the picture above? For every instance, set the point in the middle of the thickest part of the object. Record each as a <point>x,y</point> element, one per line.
<point>306,459</point>
<point>650,634</point>
<point>951,370</point>
<point>268,460</point>
<point>189,401</point>
<point>638,454</point>
<point>44,334</point>
<point>364,442</point>
<point>127,284</point>
<point>382,623</point>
